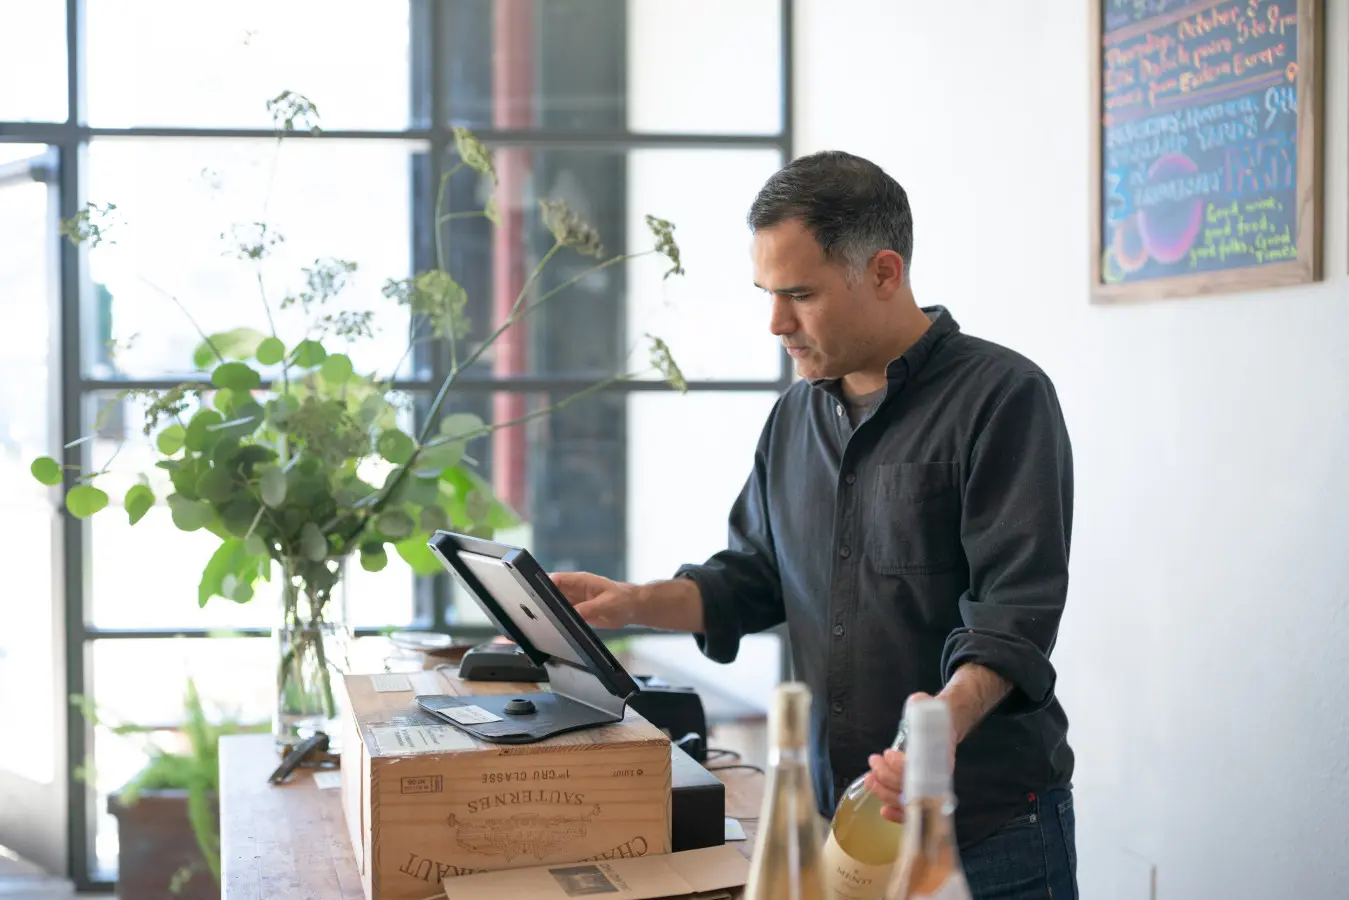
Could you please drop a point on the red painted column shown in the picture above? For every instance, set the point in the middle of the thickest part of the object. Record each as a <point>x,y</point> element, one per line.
<point>512,107</point>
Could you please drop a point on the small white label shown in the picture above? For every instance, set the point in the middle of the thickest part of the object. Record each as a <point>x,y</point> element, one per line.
<point>734,830</point>
<point>849,879</point>
<point>389,682</point>
<point>469,715</point>
<point>327,780</point>
<point>399,739</point>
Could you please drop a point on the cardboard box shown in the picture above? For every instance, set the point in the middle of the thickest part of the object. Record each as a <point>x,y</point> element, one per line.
<point>706,873</point>
<point>425,802</point>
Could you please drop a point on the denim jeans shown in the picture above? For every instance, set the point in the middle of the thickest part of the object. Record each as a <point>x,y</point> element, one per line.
<point>1032,857</point>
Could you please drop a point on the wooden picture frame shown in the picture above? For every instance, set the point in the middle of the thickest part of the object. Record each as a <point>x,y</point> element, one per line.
<point>1212,39</point>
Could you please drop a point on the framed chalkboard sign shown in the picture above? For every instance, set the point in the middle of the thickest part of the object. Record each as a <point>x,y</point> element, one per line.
<point>1207,146</point>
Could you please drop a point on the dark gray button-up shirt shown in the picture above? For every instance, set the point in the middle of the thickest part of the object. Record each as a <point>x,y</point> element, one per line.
<point>933,534</point>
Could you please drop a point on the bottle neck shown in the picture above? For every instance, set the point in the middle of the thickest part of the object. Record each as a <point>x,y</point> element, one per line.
<point>901,736</point>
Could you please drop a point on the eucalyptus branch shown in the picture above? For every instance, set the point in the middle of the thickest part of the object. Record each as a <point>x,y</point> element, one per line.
<point>533,277</point>
<point>551,408</point>
<point>178,303</point>
<point>440,204</point>
<point>516,314</point>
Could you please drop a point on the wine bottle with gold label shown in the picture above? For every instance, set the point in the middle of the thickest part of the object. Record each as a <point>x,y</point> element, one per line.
<point>929,863</point>
<point>786,863</point>
<point>862,846</point>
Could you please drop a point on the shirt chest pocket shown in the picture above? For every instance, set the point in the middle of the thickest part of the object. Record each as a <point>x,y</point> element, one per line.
<point>914,526</point>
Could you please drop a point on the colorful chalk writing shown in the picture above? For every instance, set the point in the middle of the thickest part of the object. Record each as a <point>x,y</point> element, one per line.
<point>1199,144</point>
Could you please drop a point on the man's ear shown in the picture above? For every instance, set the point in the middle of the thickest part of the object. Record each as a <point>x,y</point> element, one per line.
<point>889,271</point>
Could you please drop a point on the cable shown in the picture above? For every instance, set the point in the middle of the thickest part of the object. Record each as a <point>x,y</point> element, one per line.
<point>735,766</point>
<point>721,753</point>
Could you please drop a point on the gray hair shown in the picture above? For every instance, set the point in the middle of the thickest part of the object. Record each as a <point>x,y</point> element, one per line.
<point>853,209</point>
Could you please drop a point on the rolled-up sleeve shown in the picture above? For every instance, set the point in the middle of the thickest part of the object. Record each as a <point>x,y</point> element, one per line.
<point>740,587</point>
<point>1016,530</point>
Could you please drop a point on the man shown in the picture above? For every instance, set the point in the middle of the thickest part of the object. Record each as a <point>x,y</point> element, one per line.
<point>908,516</point>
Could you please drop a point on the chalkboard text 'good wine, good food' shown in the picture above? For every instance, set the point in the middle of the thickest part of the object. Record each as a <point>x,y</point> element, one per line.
<point>1199,148</point>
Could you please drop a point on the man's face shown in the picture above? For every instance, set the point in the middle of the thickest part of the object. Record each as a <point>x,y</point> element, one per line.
<point>827,325</point>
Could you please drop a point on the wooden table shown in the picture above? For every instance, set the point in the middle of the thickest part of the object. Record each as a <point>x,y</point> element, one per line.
<point>279,842</point>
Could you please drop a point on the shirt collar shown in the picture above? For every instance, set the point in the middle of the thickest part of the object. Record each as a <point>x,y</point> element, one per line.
<point>911,360</point>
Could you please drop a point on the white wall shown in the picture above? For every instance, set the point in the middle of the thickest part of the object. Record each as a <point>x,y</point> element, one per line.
<point>1201,659</point>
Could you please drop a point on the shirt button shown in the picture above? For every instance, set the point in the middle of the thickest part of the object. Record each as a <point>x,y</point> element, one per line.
<point>838,631</point>
<point>850,478</point>
<point>844,552</point>
<point>838,410</point>
<point>838,707</point>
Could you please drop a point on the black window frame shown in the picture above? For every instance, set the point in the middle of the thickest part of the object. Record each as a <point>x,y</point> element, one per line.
<point>70,139</point>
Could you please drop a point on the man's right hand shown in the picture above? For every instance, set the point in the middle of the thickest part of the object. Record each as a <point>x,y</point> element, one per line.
<point>604,603</point>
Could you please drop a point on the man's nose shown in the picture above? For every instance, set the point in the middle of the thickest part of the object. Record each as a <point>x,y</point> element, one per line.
<point>782,322</point>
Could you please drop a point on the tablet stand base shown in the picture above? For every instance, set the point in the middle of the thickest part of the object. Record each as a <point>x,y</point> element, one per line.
<point>576,701</point>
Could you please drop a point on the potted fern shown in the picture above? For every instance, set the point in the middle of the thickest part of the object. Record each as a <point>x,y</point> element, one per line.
<point>296,461</point>
<point>168,831</point>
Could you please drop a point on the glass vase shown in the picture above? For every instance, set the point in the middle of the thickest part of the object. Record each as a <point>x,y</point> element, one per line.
<point>310,640</point>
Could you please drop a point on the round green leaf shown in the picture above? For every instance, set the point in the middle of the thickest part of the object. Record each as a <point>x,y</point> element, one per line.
<point>236,376</point>
<point>138,501</point>
<point>477,504</point>
<point>46,470</point>
<point>198,436</point>
<point>433,519</point>
<point>254,545</point>
<point>215,484</point>
<point>418,555</point>
<point>308,354</point>
<point>239,343</point>
<point>313,544</point>
<point>84,500</point>
<point>439,455</point>
<point>273,486</point>
<point>395,446</point>
<point>189,515</point>
<point>223,400</point>
<point>373,557</point>
<point>170,440</point>
<point>460,424</point>
<point>395,523</point>
<point>336,369</point>
<point>271,351</point>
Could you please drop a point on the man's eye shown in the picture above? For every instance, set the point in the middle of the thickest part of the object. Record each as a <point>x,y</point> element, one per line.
<point>799,296</point>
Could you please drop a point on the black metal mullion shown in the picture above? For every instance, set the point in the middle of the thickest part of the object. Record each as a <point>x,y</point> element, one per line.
<point>525,384</point>
<point>80,796</point>
<point>438,589</point>
<point>786,670</point>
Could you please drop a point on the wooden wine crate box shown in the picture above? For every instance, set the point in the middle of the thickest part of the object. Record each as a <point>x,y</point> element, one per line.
<point>424,801</point>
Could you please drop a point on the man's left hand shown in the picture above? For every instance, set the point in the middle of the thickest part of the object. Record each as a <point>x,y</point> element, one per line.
<point>886,778</point>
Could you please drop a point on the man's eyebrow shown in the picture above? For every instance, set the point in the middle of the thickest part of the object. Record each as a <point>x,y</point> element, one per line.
<point>793,289</point>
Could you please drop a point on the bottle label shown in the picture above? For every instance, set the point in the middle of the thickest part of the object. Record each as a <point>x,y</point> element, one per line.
<point>849,879</point>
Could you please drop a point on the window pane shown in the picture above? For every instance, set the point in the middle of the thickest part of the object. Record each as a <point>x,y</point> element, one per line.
<point>146,575</point>
<point>164,62</point>
<point>644,65</point>
<point>143,682</point>
<point>33,62</point>
<point>629,485</point>
<point>183,208</point>
<point>29,528</point>
<point>714,319</point>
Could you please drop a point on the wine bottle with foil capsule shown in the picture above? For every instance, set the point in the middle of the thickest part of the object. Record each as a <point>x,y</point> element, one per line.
<point>929,861</point>
<point>787,862</point>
